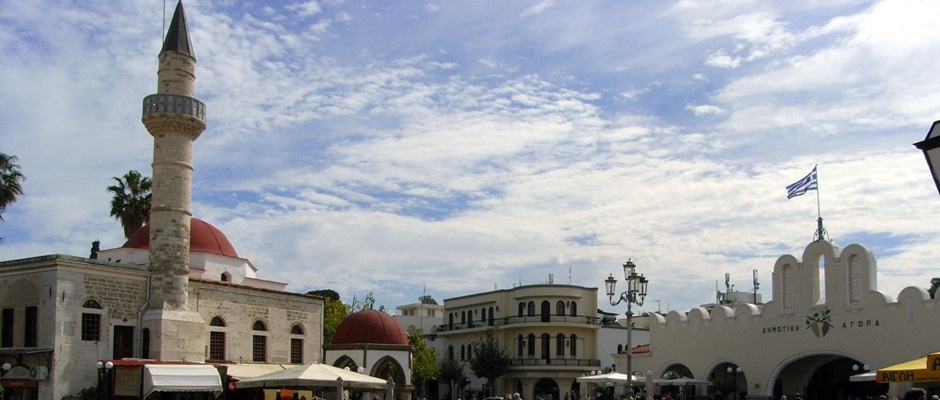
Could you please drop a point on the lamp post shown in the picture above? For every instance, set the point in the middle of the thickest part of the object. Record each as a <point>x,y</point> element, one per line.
<point>103,369</point>
<point>734,381</point>
<point>635,294</point>
<point>931,148</point>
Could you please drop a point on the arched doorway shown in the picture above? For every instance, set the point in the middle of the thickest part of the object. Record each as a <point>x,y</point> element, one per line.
<point>546,389</point>
<point>824,377</point>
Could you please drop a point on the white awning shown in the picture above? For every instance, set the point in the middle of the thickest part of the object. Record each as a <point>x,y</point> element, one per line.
<point>181,378</point>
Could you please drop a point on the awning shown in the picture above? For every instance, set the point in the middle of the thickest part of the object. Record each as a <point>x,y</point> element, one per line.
<point>910,371</point>
<point>181,378</point>
<point>245,371</point>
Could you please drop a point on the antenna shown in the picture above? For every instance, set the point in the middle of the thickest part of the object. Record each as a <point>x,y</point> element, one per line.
<point>569,275</point>
<point>164,21</point>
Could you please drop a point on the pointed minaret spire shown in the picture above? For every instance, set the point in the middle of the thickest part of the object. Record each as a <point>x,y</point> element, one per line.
<point>177,37</point>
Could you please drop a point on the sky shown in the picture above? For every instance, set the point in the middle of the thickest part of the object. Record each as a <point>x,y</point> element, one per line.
<point>453,147</point>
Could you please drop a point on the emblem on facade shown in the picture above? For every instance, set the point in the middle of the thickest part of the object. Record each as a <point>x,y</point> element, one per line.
<point>819,323</point>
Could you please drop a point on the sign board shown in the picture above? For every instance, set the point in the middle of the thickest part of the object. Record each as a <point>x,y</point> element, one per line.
<point>127,380</point>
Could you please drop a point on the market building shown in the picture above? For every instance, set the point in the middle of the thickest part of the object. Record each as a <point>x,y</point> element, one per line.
<point>826,322</point>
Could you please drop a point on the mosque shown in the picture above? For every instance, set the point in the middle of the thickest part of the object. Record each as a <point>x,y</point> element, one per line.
<point>176,293</point>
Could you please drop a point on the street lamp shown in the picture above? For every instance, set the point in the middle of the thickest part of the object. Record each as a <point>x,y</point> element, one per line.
<point>635,294</point>
<point>103,369</point>
<point>931,148</point>
<point>734,371</point>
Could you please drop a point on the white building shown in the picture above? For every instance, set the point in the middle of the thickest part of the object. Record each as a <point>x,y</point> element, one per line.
<point>826,321</point>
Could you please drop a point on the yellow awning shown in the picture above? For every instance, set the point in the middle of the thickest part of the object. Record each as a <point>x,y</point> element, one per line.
<point>910,371</point>
<point>933,364</point>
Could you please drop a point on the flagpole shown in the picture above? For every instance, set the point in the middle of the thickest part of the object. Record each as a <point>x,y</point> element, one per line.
<point>820,231</point>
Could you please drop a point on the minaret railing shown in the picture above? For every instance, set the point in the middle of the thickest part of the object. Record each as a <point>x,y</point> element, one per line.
<point>166,103</point>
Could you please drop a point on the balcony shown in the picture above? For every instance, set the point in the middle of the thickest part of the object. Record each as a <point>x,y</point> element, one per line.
<point>554,362</point>
<point>164,103</point>
<point>525,319</point>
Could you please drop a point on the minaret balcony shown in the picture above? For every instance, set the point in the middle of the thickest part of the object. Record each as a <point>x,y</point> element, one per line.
<point>166,103</point>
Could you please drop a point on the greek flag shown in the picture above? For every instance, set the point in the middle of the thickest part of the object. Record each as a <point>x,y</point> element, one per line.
<point>800,187</point>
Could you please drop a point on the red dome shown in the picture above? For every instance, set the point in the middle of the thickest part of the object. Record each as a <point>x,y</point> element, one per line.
<point>203,238</point>
<point>370,326</point>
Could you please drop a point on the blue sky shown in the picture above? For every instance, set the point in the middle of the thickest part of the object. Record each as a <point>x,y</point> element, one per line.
<point>451,147</point>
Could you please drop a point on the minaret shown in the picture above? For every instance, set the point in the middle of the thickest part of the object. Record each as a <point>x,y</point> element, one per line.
<point>175,119</point>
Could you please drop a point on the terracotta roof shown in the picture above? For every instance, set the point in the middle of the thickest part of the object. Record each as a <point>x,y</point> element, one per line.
<point>203,238</point>
<point>370,326</point>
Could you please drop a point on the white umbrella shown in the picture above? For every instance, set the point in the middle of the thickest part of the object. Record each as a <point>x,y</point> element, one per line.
<point>313,375</point>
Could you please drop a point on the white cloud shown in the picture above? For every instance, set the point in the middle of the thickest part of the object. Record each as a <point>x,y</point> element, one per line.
<point>305,9</point>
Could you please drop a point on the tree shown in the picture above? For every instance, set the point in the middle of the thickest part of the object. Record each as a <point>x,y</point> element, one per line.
<point>334,312</point>
<point>489,359</point>
<point>326,293</point>
<point>424,361</point>
<point>934,285</point>
<point>451,371</point>
<point>10,178</point>
<point>131,201</point>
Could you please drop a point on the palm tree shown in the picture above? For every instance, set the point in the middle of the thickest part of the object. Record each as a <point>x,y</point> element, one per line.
<point>10,178</point>
<point>131,202</point>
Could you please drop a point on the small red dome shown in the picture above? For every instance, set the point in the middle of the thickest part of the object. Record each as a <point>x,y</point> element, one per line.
<point>370,326</point>
<point>203,238</point>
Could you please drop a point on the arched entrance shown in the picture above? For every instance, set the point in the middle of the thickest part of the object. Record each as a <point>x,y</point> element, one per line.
<point>546,389</point>
<point>824,377</point>
<point>729,382</point>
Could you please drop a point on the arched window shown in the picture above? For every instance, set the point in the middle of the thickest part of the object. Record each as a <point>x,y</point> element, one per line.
<point>560,308</point>
<point>521,309</point>
<point>531,343</point>
<point>259,342</point>
<point>531,308</point>
<point>560,345</point>
<point>145,347</point>
<point>91,321</point>
<point>491,316</point>
<point>216,339</point>
<point>297,344</point>
<point>225,277</point>
<point>574,345</point>
<point>483,314</point>
<point>546,346</point>
<point>469,351</point>
<point>520,345</point>
<point>463,317</point>
<point>463,352</point>
<point>450,352</point>
<point>546,311</point>
<point>573,307</point>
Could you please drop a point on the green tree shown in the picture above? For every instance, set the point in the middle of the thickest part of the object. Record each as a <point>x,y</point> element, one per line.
<point>131,201</point>
<point>424,361</point>
<point>334,312</point>
<point>934,285</point>
<point>10,178</point>
<point>489,359</point>
<point>451,371</point>
<point>326,293</point>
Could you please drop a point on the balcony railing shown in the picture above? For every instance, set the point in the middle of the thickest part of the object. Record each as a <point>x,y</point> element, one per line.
<point>558,362</point>
<point>525,319</point>
<point>165,103</point>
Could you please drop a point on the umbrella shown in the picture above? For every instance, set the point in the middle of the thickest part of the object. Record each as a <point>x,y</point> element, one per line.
<point>313,375</point>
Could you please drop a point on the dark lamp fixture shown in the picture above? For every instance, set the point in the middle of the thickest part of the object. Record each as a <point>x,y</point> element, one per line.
<point>931,148</point>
